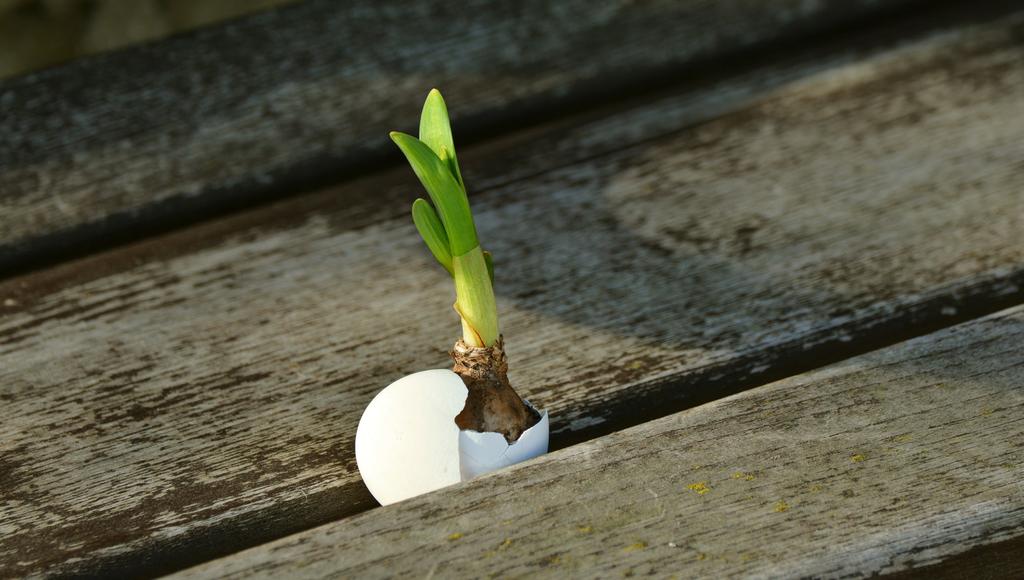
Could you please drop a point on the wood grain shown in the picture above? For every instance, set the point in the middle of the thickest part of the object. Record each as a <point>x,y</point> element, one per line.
<point>116,146</point>
<point>888,461</point>
<point>184,397</point>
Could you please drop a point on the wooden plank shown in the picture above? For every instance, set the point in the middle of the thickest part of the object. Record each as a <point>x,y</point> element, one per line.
<point>888,461</point>
<point>121,145</point>
<point>195,394</point>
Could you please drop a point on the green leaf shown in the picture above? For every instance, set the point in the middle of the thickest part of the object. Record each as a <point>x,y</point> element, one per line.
<point>448,196</point>
<point>490,265</point>
<point>436,133</point>
<point>432,232</point>
<point>453,166</point>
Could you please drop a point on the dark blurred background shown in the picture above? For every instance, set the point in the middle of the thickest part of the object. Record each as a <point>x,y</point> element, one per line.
<point>38,33</point>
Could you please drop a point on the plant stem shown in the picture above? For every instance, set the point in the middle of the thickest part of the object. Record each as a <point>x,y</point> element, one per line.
<point>475,299</point>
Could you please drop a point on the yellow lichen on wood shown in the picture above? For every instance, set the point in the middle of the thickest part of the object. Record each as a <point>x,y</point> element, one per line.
<point>781,506</point>
<point>858,457</point>
<point>700,487</point>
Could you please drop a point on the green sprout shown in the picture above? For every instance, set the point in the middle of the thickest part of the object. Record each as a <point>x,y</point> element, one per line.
<point>446,223</point>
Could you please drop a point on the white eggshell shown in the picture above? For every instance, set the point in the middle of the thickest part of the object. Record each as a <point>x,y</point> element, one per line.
<point>480,453</point>
<point>407,442</point>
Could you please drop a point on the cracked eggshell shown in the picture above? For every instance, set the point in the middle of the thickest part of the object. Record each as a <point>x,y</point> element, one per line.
<point>407,442</point>
<point>480,453</point>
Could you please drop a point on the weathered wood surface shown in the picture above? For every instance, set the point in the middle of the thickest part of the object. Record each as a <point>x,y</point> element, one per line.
<point>887,461</point>
<point>112,147</point>
<point>191,395</point>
